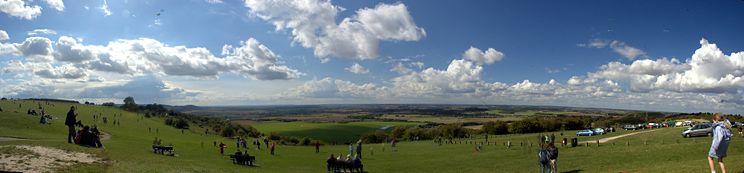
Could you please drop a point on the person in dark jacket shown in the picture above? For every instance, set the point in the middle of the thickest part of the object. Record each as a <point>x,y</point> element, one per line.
<point>331,164</point>
<point>70,122</point>
<point>553,156</point>
<point>359,149</point>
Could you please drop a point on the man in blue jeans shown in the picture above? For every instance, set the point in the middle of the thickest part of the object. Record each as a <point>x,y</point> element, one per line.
<point>70,122</point>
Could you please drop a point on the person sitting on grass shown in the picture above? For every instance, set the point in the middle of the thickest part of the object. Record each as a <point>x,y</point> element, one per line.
<point>96,136</point>
<point>44,119</point>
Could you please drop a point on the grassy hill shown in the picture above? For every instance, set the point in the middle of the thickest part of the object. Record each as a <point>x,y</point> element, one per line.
<point>128,149</point>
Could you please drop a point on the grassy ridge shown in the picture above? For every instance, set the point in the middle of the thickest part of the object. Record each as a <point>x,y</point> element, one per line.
<point>128,150</point>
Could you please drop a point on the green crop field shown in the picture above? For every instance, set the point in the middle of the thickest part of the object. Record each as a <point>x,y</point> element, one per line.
<point>128,149</point>
<point>328,132</point>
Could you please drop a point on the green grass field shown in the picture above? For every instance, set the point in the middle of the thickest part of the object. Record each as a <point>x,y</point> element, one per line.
<point>328,132</point>
<point>129,150</point>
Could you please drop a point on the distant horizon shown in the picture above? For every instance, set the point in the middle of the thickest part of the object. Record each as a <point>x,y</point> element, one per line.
<point>330,104</point>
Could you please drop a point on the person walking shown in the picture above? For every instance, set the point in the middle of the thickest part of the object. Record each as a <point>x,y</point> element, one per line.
<point>719,145</point>
<point>70,122</point>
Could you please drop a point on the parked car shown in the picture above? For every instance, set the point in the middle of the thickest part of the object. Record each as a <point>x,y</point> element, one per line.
<point>586,132</point>
<point>599,131</point>
<point>698,130</point>
<point>630,127</point>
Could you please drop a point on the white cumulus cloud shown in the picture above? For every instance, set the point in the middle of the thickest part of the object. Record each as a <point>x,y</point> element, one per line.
<point>19,8</point>
<point>312,23</point>
<point>56,4</point>
<point>357,69</point>
<point>483,57</point>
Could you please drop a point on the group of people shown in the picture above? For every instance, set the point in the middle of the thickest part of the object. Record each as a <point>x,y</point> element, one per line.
<point>44,118</point>
<point>340,164</point>
<point>86,136</point>
<point>548,154</point>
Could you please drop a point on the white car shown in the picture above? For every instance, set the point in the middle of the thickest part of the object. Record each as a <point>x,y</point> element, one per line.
<point>598,131</point>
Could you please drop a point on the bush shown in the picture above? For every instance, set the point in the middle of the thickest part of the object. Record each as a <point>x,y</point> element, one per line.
<point>524,126</point>
<point>374,137</point>
<point>496,128</point>
<point>111,104</point>
<point>452,130</point>
<point>306,141</point>
<point>274,136</point>
<point>179,123</point>
<point>398,132</point>
<point>422,133</point>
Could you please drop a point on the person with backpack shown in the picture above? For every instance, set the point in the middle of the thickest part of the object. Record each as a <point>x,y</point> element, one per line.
<point>719,145</point>
<point>543,159</point>
<point>70,123</point>
<point>553,156</point>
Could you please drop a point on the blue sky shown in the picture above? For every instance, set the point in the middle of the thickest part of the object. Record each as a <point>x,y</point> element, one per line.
<point>651,55</point>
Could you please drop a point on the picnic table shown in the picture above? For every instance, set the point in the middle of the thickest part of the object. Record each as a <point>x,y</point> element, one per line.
<point>164,150</point>
<point>243,159</point>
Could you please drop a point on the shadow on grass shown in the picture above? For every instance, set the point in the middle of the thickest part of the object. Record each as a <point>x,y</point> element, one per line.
<point>573,171</point>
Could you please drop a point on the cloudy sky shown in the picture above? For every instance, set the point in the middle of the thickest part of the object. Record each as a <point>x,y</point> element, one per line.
<point>662,55</point>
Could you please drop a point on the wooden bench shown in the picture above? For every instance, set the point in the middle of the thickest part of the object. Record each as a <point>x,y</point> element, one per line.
<point>243,159</point>
<point>164,150</point>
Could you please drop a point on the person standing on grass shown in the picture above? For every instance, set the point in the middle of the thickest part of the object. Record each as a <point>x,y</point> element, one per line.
<point>719,145</point>
<point>222,148</point>
<point>317,147</point>
<point>543,160</point>
<point>553,156</point>
<point>273,147</point>
<point>351,149</point>
<point>70,122</point>
<point>359,149</point>
<point>740,131</point>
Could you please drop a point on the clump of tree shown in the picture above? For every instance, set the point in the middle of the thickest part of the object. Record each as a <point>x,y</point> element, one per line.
<point>495,127</point>
<point>110,104</point>
<point>177,122</point>
<point>375,137</point>
<point>129,104</point>
<point>228,129</point>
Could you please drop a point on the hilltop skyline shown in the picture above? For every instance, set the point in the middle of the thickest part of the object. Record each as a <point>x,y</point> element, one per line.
<point>688,57</point>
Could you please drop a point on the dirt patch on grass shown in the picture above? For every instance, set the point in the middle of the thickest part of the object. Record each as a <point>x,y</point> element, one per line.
<point>24,158</point>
